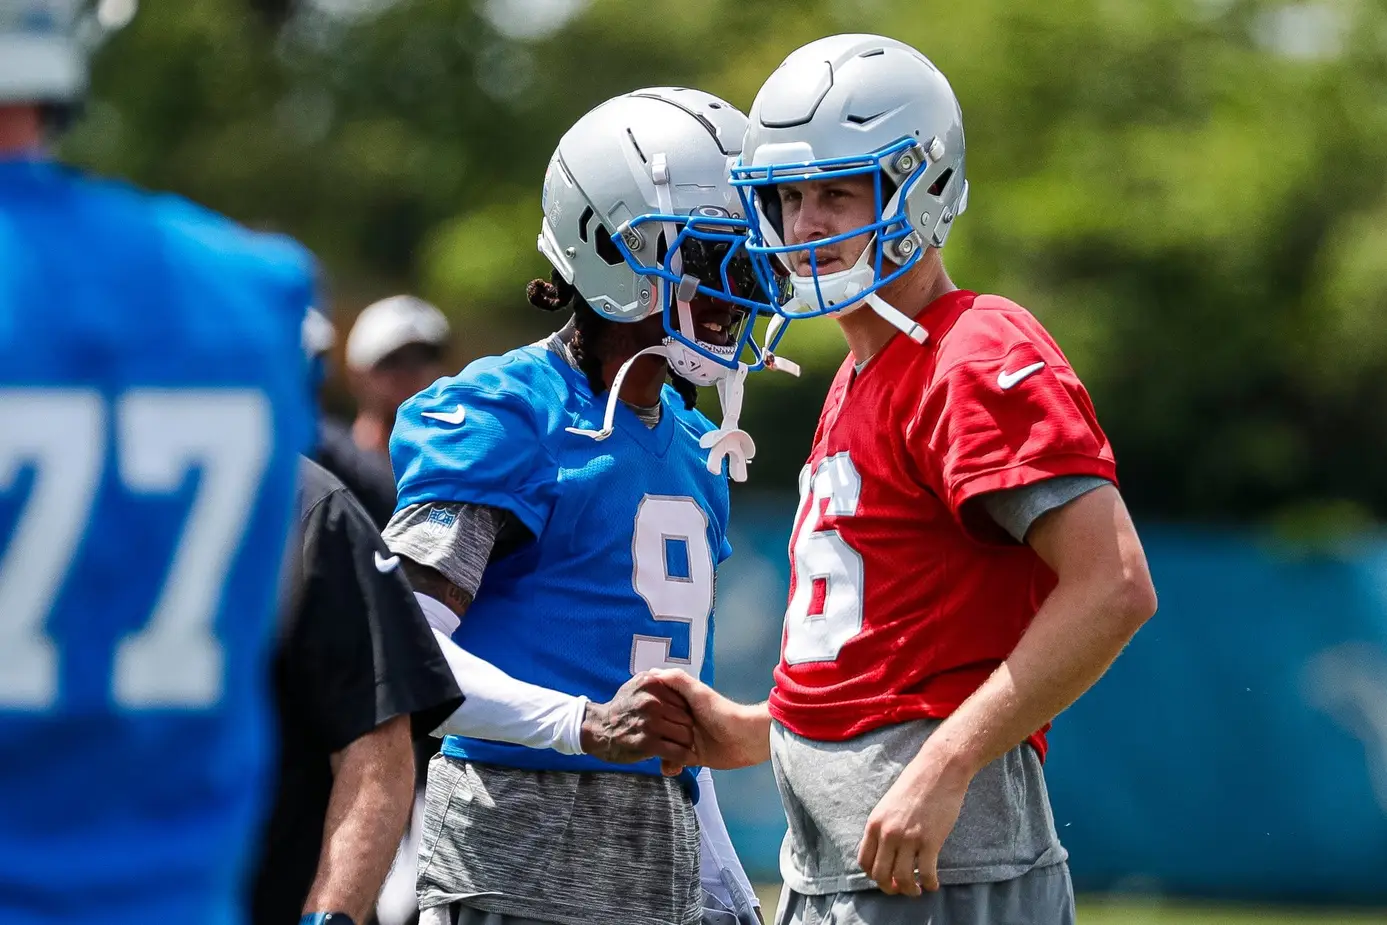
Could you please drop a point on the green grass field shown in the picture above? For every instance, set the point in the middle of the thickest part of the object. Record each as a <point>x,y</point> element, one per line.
<point>1100,910</point>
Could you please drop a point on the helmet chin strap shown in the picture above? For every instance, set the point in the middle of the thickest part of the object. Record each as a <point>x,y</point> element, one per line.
<point>898,319</point>
<point>777,362</point>
<point>613,396</point>
<point>851,287</point>
<point>727,442</point>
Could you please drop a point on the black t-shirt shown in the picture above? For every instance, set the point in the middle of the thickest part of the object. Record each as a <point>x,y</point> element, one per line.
<point>369,478</point>
<point>366,474</point>
<point>354,652</point>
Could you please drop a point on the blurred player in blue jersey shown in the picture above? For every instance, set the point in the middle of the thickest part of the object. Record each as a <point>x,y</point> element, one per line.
<point>151,411</point>
<point>562,513</point>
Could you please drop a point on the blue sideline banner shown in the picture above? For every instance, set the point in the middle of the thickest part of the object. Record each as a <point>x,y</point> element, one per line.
<point>1238,748</point>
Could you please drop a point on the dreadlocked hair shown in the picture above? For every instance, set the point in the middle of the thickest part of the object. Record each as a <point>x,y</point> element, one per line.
<point>586,344</point>
<point>551,296</point>
<point>557,294</point>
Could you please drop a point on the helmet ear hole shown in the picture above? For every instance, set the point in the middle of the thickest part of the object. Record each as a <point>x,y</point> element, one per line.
<point>937,188</point>
<point>602,244</point>
<point>583,224</point>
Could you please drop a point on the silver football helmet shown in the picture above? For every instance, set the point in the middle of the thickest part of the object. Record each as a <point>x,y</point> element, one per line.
<point>639,218</point>
<point>853,105</point>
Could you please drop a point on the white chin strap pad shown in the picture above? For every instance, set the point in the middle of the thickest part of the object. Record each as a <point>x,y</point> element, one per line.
<point>780,364</point>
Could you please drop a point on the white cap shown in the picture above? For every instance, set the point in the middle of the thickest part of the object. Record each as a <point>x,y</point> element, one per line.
<point>385,326</point>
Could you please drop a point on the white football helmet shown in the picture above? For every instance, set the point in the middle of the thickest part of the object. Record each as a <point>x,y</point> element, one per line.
<point>854,105</point>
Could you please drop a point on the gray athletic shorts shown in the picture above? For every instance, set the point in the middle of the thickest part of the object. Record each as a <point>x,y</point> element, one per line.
<point>1043,896</point>
<point>458,914</point>
<point>714,913</point>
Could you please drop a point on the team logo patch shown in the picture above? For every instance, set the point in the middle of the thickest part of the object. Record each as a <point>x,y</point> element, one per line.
<point>441,519</point>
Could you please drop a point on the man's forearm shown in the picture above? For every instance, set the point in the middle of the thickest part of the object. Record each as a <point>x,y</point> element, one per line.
<point>754,736</point>
<point>1075,636</point>
<point>425,580</point>
<point>727,734</point>
<point>505,709</point>
<point>637,723</point>
<point>372,796</point>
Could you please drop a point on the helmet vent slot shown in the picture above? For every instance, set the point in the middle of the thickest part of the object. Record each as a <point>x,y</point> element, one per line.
<point>631,135</point>
<point>856,119</point>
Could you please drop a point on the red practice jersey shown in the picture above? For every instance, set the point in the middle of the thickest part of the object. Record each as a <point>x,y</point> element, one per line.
<point>902,599</point>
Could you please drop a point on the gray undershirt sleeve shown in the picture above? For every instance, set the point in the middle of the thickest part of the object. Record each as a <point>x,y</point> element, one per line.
<point>451,537</point>
<point>1016,509</point>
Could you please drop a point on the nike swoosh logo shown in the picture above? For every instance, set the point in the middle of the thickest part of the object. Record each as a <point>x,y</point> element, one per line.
<point>447,417</point>
<point>386,566</point>
<point>1006,380</point>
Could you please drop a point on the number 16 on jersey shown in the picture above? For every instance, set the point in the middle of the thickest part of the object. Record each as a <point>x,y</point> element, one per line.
<point>825,608</point>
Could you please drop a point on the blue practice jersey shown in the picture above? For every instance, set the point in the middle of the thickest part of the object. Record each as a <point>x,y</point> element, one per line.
<point>628,532</point>
<point>152,402</point>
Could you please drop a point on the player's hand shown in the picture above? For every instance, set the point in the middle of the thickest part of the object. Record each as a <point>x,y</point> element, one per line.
<point>900,848</point>
<point>644,720</point>
<point>727,734</point>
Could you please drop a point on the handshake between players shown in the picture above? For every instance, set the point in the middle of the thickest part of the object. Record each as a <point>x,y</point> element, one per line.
<point>668,714</point>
